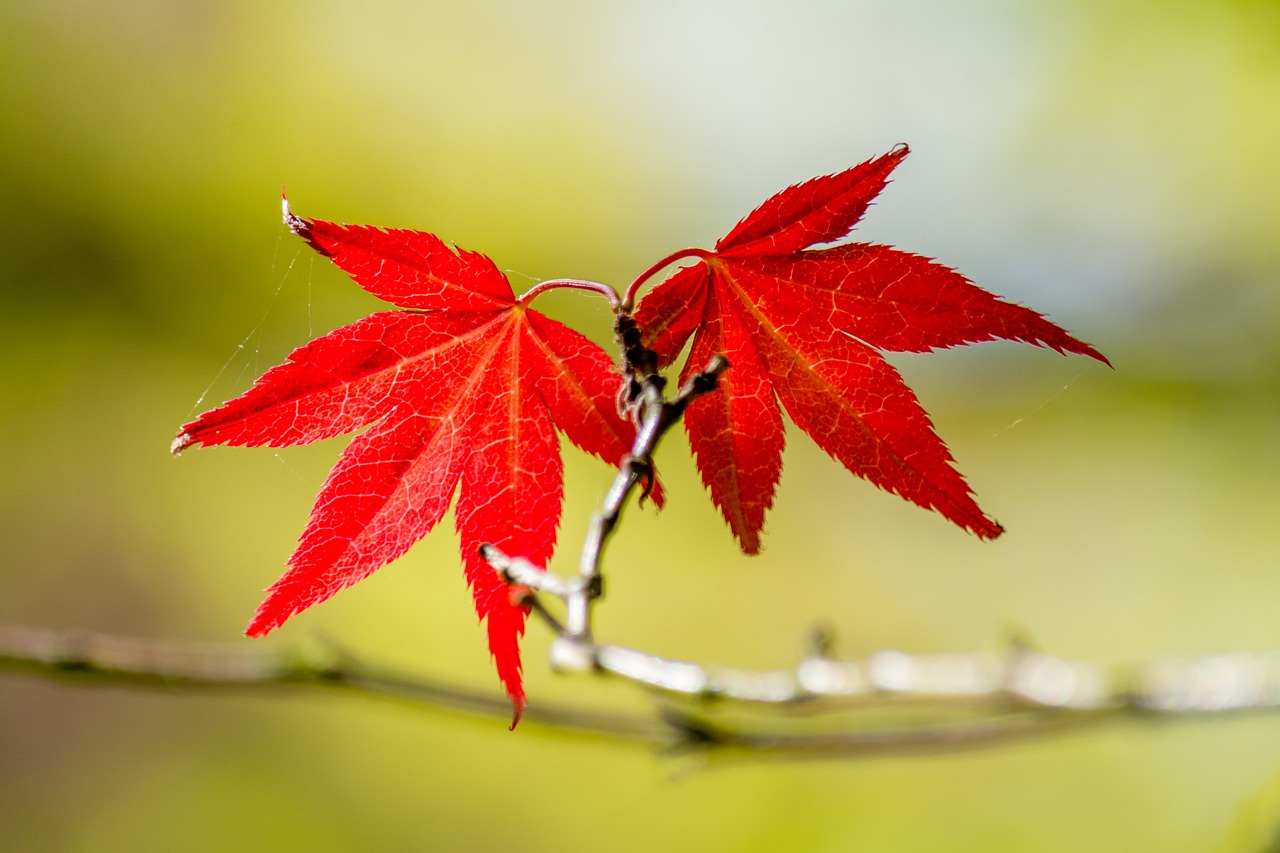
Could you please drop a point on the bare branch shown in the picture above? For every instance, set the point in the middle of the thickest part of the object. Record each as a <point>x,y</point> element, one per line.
<point>956,701</point>
<point>82,657</point>
<point>654,416</point>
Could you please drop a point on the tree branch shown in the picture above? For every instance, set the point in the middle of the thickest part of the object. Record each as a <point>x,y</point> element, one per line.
<point>956,701</point>
<point>81,657</point>
<point>574,647</point>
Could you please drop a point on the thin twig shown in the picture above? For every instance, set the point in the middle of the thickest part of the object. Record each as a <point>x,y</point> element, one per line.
<point>574,647</point>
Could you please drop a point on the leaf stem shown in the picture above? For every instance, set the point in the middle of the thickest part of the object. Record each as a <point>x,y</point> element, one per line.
<point>629,298</point>
<point>575,284</point>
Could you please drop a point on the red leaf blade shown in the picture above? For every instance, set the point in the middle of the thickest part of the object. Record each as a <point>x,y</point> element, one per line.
<point>736,434</point>
<point>671,312</point>
<point>339,382</point>
<point>412,269</point>
<point>819,210</point>
<point>856,407</point>
<point>510,496</point>
<point>388,490</point>
<point>895,301</point>
<point>801,328</point>
<point>463,394</point>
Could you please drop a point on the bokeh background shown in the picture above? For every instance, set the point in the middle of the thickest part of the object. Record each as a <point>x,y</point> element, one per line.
<point>1112,164</point>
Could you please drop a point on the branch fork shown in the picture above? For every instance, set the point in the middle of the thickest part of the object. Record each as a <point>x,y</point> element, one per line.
<point>574,648</point>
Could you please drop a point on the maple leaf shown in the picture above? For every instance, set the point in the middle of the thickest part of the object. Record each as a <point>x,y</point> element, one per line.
<point>802,328</point>
<point>460,392</point>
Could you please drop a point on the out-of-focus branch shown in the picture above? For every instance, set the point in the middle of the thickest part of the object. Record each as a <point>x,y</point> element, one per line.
<point>890,703</point>
<point>80,657</point>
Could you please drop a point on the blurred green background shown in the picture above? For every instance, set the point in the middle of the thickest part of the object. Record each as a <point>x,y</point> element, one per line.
<point>1111,164</point>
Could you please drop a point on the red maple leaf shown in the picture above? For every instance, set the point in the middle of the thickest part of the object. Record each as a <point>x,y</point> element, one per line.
<point>802,327</point>
<point>460,392</point>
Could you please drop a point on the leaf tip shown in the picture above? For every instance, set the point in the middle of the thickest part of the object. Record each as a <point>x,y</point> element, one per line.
<point>991,530</point>
<point>268,617</point>
<point>518,705</point>
<point>292,221</point>
<point>1072,345</point>
<point>259,627</point>
<point>748,541</point>
<point>180,443</point>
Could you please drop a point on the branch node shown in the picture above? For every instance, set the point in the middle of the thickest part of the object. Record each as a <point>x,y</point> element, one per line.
<point>822,641</point>
<point>641,468</point>
<point>572,654</point>
<point>638,361</point>
<point>521,595</point>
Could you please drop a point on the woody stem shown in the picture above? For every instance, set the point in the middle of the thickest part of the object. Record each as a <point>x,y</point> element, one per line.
<point>575,647</point>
